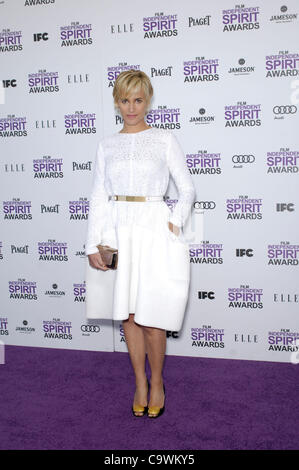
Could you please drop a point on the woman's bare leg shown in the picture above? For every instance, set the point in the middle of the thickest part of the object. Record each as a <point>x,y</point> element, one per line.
<point>136,346</point>
<point>155,343</point>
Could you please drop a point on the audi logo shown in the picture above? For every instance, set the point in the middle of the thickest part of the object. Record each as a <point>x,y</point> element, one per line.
<point>289,109</point>
<point>205,205</point>
<point>243,158</point>
<point>90,328</point>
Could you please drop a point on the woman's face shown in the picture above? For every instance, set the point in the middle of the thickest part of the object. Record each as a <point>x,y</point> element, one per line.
<point>133,108</point>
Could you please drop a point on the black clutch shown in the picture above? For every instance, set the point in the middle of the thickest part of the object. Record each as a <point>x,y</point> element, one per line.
<point>109,255</point>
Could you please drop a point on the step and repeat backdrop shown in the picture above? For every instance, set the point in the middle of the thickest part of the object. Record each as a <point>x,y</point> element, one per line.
<point>225,80</point>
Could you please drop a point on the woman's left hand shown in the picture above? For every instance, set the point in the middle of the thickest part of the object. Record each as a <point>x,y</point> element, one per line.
<point>174,228</point>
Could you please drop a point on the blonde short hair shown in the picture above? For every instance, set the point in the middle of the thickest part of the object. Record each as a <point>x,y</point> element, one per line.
<point>131,81</point>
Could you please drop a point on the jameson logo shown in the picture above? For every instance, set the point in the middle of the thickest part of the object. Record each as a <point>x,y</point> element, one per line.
<point>282,65</point>
<point>240,18</point>
<point>114,71</point>
<point>10,41</point>
<point>78,210</point>
<point>201,70</point>
<point>242,115</point>
<point>244,208</point>
<point>284,16</point>
<point>207,337</point>
<point>48,168</point>
<point>283,161</point>
<point>75,34</point>
<point>242,68</point>
<point>283,254</point>
<point>283,340</point>
<point>57,329</point>
<point>25,329</point>
<point>202,163</point>
<point>43,82</point>
<point>202,118</point>
<point>54,292</point>
<point>80,123</point>
<point>245,297</point>
<point>160,26</point>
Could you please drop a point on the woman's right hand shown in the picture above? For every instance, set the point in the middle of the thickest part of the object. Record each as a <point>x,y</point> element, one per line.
<point>95,260</point>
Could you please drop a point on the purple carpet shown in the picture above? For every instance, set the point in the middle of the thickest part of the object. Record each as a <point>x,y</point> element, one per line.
<point>64,399</point>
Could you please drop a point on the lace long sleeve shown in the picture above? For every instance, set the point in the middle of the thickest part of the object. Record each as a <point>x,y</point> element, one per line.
<point>98,205</point>
<point>178,169</point>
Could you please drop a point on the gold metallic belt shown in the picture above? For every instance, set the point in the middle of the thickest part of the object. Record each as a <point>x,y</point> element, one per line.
<point>136,198</point>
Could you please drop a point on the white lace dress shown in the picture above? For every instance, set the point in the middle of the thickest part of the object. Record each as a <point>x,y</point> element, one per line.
<point>153,273</point>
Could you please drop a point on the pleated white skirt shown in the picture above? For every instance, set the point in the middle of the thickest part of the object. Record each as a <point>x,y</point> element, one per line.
<point>153,273</point>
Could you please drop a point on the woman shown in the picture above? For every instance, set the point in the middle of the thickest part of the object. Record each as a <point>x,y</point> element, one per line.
<point>149,289</point>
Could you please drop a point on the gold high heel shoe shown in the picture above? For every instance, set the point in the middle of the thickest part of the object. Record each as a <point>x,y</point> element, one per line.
<point>156,411</point>
<point>140,408</point>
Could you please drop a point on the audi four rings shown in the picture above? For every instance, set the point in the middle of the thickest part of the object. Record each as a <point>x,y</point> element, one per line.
<point>288,109</point>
